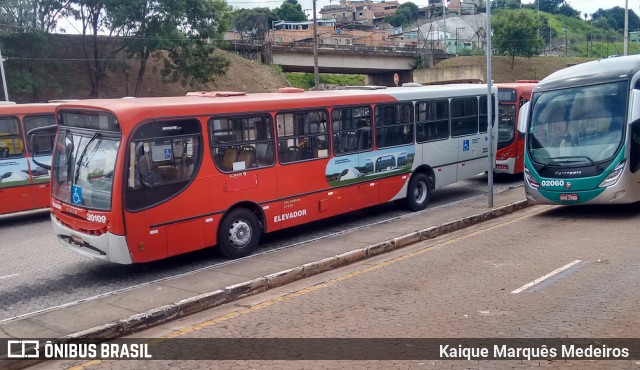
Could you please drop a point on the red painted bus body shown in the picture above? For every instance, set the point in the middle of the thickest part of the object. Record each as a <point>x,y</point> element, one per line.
<point>137,180</point>
<point>24,185</point>
<point>511,96</point>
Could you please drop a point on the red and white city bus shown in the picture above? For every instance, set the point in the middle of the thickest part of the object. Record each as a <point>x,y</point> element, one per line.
<point>137,180</point>
<point>24,185</point>
<point>511,96</point>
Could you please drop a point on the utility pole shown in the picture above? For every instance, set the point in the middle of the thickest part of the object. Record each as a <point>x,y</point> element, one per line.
<point>626,27</point>
<point>444,24</point>
<point>489,110</point>
<point>4,79</point>
<point>565,41</point>
<point>316,76</point>
<point>457,28</point>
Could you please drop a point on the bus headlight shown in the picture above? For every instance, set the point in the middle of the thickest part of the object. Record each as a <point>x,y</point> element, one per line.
<point>530,179</point>
<point>613,177</point>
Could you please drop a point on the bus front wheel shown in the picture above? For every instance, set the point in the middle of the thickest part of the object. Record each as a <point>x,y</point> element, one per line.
<point>418,192</point>
<point>239,233</point>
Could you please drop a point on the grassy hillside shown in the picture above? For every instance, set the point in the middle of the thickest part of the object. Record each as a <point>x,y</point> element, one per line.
<point>535,68</point>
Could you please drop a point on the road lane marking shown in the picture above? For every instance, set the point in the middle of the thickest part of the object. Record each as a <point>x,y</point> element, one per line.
<point>8,276</point>
<point>545,277</point>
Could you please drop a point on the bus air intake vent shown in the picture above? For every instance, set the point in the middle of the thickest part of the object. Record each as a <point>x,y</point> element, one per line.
<point>288,90</point>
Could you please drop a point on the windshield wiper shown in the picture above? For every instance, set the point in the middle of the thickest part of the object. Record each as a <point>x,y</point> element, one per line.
<point>567,160</point>
<point>81,157</point>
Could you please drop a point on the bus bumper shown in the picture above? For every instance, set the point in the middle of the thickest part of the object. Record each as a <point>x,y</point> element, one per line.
<point>505,166</point>
<point>106,247</point>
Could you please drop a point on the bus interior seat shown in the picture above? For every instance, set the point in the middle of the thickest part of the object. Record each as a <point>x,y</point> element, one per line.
<point>230,155</point>
<point>4,152</point>
<point>247,156</point>
<point>292,154</point>
<point>264,154</point>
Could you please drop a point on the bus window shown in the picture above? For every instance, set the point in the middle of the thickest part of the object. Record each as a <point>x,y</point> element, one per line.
<point>464,116</point>
<point>43,143</point>
<point>11,144</point>
<point>432,122</point>
<point>394,125</point>
<point>162,166</point>
<point>240,143</point>
<point>351,130</point>
<point>302,136</point>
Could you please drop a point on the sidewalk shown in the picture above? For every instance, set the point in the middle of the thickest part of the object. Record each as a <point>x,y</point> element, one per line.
<point>136,309</point>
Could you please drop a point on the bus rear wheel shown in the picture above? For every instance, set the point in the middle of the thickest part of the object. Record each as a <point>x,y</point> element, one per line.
<point>239,233</point>
<point>418,193</point>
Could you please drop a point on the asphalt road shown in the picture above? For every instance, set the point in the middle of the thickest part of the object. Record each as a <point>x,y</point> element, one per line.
<point>542,272</point>
<point>38,274</point>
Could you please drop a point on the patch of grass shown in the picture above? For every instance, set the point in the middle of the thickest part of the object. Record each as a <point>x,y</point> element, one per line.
<point>306,80</point>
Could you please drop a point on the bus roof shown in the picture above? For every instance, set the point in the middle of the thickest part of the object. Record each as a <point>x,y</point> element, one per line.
<point>602,70</point>
<point>23,109</point>
<point>131,111</point>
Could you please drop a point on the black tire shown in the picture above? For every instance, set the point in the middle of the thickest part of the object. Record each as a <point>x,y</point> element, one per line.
<point>418,192</point>
<point>239,233</point>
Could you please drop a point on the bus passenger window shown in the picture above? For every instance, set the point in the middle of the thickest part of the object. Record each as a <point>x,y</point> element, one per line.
<point>351,130</point>
<point>11,144</point>
<point>43,142</point>
<point>241,143</point>
<point>302,136</point>
<point>394,125</point>
<point>464,116</point>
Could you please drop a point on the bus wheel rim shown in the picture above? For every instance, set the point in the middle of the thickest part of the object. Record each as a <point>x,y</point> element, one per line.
<point>420,192</point>
<point>239,233</point>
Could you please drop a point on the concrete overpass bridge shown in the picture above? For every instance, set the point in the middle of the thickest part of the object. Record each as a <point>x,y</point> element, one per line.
<point>378,63</point>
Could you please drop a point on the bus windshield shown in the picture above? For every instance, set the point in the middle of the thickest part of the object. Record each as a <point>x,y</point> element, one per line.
<point>83,169</point>
<point>578,126</point>
<point>506,124</point>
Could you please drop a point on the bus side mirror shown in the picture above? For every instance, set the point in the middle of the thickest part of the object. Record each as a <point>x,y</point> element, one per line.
<point>34,145</point>
<point>635,105</point>
<point>522,119</point>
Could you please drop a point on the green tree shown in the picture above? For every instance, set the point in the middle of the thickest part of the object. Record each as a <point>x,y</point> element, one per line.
<point>253,23</point>
<point>25,42</point>
<point>514,33</point>
<point>291,11</point>
<point>549,6</point>
<point>567,10</point>
<point>614,18</point>
<point>404,15</point>
<point>182,33</point>
<point>98,49</point>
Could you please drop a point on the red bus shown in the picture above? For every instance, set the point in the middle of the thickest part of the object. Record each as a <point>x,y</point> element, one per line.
<point>24,185</point>
<point>137,180</point>
<point>511,96</point>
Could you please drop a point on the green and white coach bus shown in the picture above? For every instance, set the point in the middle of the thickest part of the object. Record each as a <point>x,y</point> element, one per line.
<point>583,135</point>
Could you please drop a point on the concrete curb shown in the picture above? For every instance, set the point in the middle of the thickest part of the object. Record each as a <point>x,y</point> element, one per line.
<point>188,306</point>
<point>205,301</point>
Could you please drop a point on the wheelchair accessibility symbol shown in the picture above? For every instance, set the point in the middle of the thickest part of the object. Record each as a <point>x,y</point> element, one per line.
<point>465,146</point>
<point>76,195</point>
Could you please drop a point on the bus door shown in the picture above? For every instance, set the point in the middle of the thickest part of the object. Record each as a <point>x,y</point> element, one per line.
<point>464,126</point>
<point>14,168</point>
<point>303,146</point>
<point>519,137</point>
<point>40,190</point>
<point>166,211</point>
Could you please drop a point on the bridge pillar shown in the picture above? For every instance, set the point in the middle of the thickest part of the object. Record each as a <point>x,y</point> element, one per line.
<point>386,79</point>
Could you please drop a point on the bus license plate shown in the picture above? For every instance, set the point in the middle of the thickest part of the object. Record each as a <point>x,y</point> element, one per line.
<point>568,196</point>
<point>502,167</point>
